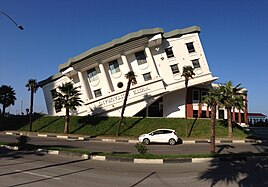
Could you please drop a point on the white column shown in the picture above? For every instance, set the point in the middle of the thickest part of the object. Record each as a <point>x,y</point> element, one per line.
<point>125,62</point>
<point>105,77</point>
<point>151,62</point>
<point>84,86</point>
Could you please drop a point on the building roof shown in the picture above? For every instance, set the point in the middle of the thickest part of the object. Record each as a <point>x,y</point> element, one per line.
<point>256,115</point>
<point>50,79</point>
<point>180,32</point>
<point>119,41</point>
<point>125,39</point>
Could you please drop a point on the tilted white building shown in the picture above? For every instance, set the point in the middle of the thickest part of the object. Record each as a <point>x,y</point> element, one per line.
<point>157,59</point>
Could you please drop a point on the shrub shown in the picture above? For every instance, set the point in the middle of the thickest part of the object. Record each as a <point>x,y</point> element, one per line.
<point>142,148</point>
<point>23,140</point>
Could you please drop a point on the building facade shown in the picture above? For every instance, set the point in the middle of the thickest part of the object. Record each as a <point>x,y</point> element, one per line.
<point>157,59</point>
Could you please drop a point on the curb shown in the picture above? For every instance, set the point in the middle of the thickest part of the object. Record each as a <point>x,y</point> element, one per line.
<point>67,137</point>
<point>87,138</point>
<point>14,148</point>
<point>143,161</point>
<point>154,161</point>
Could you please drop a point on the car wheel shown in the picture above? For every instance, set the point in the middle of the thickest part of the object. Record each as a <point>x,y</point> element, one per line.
<point>146,141</point>
<point>172,141</point>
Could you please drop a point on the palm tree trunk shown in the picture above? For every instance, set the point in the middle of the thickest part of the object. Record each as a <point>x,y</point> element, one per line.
<point>123,108</point>
<point>186,109</point>
<point>229,118</point>
<point>31,109</point>
<point>212,129</point>
<point>4,109</point>
<point>67,119</point>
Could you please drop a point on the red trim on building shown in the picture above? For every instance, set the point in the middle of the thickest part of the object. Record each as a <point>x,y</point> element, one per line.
<point>239,117</point>
<point>246,110</point>
<point>190,112</point>
<point>256,114</point>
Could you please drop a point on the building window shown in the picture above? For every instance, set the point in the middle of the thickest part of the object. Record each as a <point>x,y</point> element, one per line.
<point>204,114</point>
<point>169,52</point>
<point>120,85</point>
<point>147,76</point>
<point>195,96</point>
<point>221,114</point>
<point>196,63</point>
<point>195,113</point>
<point>54,95</point>
<point>203,94</point>
<point>97,93</point>
<point>242,118</point>
<point>141,58</point>
<point>92,75</point>
<point>114,66</point>
<point>175,68</point>
<point>190,47</point>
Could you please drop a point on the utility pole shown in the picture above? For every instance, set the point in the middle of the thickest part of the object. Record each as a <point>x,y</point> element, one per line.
<point>21,106</point>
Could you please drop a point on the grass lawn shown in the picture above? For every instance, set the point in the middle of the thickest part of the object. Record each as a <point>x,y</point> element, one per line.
<point>107,126</point>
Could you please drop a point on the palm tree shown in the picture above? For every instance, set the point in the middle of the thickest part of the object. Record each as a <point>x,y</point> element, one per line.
<point>68,98</point>
<point>232,98</point>
<point>7,97</point>
<point>32,87</point>
<point>187,73</point>
<point>213,100</point>
<point>131,80</point>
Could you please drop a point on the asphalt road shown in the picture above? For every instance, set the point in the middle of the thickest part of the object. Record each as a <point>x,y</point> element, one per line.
<point>98,146</point>
<point>42,170</point>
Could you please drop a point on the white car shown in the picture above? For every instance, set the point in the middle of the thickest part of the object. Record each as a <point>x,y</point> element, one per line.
<point>160,136</point>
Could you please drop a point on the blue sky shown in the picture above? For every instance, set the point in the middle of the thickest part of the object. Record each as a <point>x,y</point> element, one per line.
<point>234,38</point>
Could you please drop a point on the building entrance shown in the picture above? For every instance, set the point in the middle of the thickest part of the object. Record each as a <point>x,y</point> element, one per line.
<point>154,110</point>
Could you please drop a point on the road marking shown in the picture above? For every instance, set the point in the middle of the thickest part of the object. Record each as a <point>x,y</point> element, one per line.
<point>39,175</point>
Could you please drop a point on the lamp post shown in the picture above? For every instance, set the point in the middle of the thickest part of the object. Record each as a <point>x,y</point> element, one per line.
<point>19,26</point>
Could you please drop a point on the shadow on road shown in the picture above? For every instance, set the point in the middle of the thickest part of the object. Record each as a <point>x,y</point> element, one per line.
<point>239,168</point>
<point>244,173</point>
<point>140,181</point>
<point>223,147</point>
<point>4,152</point>
<point>21,154</point>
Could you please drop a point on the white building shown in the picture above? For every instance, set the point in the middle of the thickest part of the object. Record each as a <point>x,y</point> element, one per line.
<point>254,118</point>
<point>157,59</point>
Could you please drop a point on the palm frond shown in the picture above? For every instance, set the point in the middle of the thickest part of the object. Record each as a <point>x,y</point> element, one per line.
<point>67,96</point>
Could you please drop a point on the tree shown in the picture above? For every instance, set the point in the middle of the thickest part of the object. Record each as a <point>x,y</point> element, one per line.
<point>32,87</point>
<point>213,100</point>
<point>27,111</point>
<point>231,98</point>
<point>131,80</point>
<point>7,97</point>
<point>187,73</point>
<point>68,97</point>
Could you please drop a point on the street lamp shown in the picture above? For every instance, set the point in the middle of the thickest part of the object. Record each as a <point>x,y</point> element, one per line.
<point>19,26</point>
